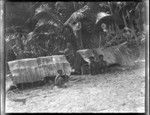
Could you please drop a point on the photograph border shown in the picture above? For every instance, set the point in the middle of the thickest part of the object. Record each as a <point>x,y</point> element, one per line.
<point>3,60</point>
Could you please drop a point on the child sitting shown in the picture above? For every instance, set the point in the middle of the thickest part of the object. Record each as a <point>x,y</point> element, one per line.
<point>93,66</point>
<point>61,79</point>
<point>102,65</point>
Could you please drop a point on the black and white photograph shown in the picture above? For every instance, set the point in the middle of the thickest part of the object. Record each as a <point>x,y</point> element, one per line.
<point>75,56</point>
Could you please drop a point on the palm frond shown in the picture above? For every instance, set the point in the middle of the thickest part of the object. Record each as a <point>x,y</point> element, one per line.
<point>44,28</point>
<point>44,12</point>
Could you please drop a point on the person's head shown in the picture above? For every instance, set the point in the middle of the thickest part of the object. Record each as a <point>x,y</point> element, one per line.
<point>101,57</point>
<point>68,45</point>
<point>59,72</point>
<point>91,58</point>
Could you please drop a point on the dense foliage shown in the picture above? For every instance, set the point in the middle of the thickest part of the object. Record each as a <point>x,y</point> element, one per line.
<point>39,29</point>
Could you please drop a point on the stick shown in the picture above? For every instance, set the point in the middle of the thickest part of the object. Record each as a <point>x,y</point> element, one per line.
<point>124,20</point>
<point>100,41</point>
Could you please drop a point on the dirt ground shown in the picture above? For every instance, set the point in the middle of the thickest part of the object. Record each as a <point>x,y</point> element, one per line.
<point>120,91</point>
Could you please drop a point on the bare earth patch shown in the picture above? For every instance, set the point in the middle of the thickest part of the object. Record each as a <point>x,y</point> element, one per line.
<point>122,91</point>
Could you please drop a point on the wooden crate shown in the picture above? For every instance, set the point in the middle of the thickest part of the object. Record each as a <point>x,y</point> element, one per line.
<point>35,69</point>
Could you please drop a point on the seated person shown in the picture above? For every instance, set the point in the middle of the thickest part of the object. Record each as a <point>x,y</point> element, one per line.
<point>102,65</point>
<point>93,66</point>
<point>61,79</point>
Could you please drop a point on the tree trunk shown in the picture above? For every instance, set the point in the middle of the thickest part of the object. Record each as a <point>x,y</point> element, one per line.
<point>79,40</point>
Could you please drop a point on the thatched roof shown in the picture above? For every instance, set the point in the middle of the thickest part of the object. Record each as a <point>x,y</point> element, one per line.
<point>119,54</point>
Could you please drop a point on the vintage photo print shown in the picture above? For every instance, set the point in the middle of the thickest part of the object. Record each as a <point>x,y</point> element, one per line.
<point>74,57</point>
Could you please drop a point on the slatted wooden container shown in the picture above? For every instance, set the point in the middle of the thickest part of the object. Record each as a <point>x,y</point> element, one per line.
<point>35,69</point>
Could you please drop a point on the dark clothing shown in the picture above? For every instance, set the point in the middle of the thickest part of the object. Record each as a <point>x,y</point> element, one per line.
<point>85,69</point>
<point>93,68</point>
<point>102,65</point>
<point>61,79</point>
<point>65,77</point>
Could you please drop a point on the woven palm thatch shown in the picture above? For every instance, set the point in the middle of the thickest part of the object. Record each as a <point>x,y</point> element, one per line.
<point>76,16</point>
<point>35,69</point>
<point>120,54</point>
<point>45,12</point>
